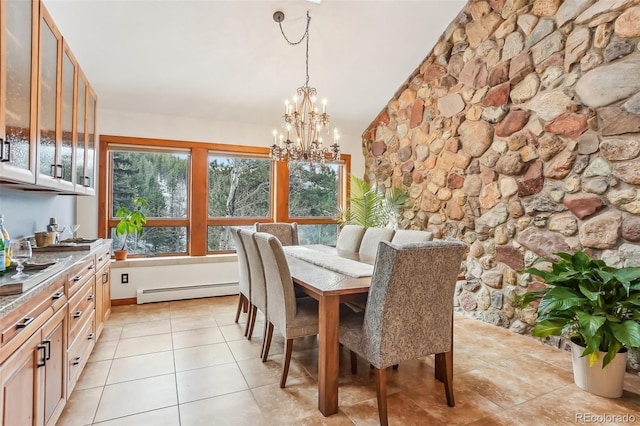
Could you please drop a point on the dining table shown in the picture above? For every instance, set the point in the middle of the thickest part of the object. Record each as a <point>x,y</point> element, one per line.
<point>331,277</point>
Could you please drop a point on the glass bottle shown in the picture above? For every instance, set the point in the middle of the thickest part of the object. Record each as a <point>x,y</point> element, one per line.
<point>7,243</point>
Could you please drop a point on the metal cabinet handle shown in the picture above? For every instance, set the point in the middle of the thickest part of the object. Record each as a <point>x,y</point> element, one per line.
<point>90,297</point>
<point>87,181</point>
<point>25,322</point>
<point>105,277</point>
<point>90,267</point>
<point>91,336</point>
<point>5,150</point>
<point>47,342</point>
<point>77,278</point>
<point>44,357</point>
<point>76,360</point>
<point>77,314</point>
<point>58,295</point>
<point>55,168</point>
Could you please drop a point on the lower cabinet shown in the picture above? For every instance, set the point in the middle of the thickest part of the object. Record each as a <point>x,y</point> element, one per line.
<point>103,297</point>
<point>33,378</point>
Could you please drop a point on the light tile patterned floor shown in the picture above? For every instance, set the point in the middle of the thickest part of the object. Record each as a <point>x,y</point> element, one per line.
<point>187,363</point>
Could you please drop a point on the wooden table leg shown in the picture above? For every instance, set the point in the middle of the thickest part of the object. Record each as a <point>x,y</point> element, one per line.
<point>328,355</point>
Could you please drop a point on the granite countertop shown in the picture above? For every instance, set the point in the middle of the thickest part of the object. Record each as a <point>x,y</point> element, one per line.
<point>39,280</point>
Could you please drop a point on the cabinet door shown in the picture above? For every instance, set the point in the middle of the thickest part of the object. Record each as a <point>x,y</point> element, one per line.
<point>49,168</point>
<point>90,172</point>
<point>81,112</point>
<point>68,114</point>
<point>54,386</point>
<point>18,94</point>
<point>103,297</point>
<point>20,376</point>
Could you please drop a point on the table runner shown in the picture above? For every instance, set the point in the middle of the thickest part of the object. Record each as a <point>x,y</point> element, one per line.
<point>332,262</point>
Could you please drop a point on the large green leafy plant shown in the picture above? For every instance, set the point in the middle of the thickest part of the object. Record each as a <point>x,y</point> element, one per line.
<point>131,221</point>
<point>595,305</point>
<point>371,207</point>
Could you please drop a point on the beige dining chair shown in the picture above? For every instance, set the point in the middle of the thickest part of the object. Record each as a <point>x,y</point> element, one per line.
<point>293,317</point>
<point>286,233</point>
<point>258,287</point>
<point>371,238</point>
<point>244,285</point>
<point>409,313</point>
<point>408,236</point>
<point>350,237</point>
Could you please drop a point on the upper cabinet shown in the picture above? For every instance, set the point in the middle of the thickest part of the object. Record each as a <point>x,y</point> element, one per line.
<point>57,113</point>
<point>18,89</point>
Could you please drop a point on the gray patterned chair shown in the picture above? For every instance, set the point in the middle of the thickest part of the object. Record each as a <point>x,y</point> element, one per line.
<point>350,237</point>
<point>258,299</point>
<point>286,233</point>
<point>409,313</point>
<point>293,317</point>
<point>371,238</point>
<point>408,236</point>
<point>244,283</point>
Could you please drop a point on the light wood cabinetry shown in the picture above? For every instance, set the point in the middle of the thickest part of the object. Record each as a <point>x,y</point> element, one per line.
<point>46,341</point>
<point>47,107</point>
<point>33,377</point>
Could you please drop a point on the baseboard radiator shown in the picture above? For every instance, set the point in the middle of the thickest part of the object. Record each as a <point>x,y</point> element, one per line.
<point>164,294</point>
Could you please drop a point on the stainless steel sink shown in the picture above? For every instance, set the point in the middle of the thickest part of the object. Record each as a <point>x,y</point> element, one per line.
<point>72,244</point>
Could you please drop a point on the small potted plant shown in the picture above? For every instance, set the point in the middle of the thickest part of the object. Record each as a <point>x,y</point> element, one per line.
<point>131,222</point>
<point>371,207</point>
<point>598,308</point>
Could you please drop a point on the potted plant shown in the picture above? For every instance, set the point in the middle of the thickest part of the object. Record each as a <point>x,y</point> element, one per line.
<point>131,222</point>
<point>598,308</point>
<point>371,207</point>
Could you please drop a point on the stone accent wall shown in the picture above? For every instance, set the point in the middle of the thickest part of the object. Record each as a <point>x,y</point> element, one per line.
<point>520,135</point>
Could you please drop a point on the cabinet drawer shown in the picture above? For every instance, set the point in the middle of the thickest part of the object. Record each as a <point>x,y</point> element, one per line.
<point>81,308</point>
<point>28,318</point>
<point>79,352</point>
<point>79,274</point>
<point>102,259</point>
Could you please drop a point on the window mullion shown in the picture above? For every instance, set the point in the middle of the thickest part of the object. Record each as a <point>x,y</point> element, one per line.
<point>199,196</point>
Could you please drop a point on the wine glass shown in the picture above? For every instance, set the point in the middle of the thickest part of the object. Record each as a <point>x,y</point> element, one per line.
<point>74,230</point>
<point>20,253</point>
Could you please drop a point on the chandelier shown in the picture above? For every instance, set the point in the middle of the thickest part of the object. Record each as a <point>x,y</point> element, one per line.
<point>302,121</point>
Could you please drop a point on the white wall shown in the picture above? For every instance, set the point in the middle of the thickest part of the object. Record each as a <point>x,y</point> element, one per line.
<point>124,123</point>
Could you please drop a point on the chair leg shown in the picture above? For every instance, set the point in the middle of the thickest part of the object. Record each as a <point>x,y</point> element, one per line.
<point>253,314</point>
<point>439,367</point>
<point>267,342</point>
<point>447,360</point>
<point>354,362</point>
<point>248,324</point>
<point>240,306</point>
<point>381,393</point>
<point>264,338</point>
<point>288,348</point>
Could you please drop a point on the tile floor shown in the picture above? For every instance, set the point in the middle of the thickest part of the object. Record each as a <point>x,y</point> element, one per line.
<point>187,363</point>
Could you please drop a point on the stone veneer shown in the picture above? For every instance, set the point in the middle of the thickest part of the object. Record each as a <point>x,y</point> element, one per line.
<point>520,135</point>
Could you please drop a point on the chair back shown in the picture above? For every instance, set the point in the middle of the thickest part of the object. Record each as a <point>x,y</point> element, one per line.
<point>409,312</point>
<point>350,237</point>
<point>244,283</point>
<point>256,270</point>
<point>286,233</point>
<point>371,238</point>
<point>409,236</point>
<point>280,295</point>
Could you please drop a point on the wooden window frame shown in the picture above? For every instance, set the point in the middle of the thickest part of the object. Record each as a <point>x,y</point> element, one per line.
<point>197,220</point>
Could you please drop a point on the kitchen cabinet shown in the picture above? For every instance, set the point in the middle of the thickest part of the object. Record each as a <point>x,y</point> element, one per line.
<point>47,107</point>
<point>33,378</point>
<point>18,89</point>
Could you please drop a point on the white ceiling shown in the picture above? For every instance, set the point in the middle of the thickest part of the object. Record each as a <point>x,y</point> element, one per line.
<point>227,61</point>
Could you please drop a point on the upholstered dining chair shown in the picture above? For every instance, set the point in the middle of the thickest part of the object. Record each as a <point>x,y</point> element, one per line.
<point>350,237</point>
<point>293,317</point>
<point>409,313</point>
<point>286,233</point>
<point>408,236</point>
<point>371,238</point>
<point>244,284</point>
<point>256,272</point>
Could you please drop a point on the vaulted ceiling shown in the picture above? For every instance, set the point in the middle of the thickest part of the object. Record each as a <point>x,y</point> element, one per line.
<point>228,61</point>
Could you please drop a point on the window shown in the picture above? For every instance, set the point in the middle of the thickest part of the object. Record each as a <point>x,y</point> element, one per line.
<point>197,191</point>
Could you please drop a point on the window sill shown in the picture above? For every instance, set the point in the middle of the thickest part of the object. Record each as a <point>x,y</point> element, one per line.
<point>144,262</point>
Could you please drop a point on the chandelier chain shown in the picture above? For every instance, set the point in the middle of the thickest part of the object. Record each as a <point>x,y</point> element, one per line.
<point>292,43</point>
